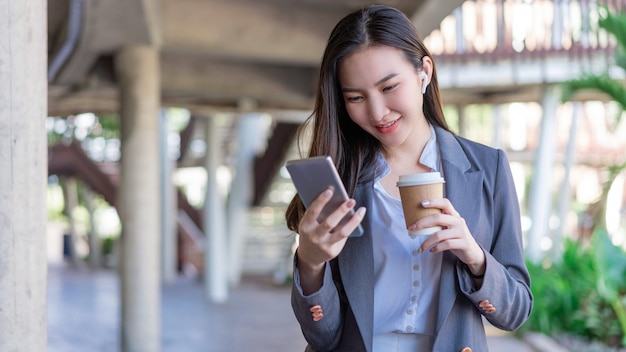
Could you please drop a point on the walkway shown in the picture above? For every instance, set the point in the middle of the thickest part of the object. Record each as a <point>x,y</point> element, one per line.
<point>84,309</point>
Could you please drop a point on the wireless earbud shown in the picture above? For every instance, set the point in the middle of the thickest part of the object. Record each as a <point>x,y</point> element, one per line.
<point>425,83</point>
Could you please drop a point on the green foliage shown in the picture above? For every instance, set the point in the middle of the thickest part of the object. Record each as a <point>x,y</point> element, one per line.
<point>558,289</point>
<point>610,264</point>
<point>603,83</point>
<point>107,245</point>
<point>110,126</point>
<point>55,202</point>
<point>584,294</point>
<point>65,129</point>
<point>614,24</point>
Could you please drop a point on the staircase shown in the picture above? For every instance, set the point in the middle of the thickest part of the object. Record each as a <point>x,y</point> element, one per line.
<point>70,160</point>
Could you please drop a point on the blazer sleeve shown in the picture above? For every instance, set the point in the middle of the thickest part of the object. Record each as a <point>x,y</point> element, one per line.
<point>324,334</point>
<point>506,283</point>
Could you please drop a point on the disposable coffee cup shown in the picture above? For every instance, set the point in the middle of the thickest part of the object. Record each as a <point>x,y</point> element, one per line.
<point>415,188</point>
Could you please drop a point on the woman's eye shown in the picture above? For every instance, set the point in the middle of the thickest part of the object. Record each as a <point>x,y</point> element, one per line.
<point>389,88</point>
<point>354,99</point>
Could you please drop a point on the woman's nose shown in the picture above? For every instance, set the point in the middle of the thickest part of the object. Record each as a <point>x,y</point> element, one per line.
<point>378,109</point>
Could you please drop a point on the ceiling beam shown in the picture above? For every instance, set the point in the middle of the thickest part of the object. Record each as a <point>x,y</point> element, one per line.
<point>237,29</point>
<point>229,81</point>
<point>428,15</point>
<point>105,27</point>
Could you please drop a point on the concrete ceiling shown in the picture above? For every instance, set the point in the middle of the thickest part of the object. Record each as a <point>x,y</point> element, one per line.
<point>214,53</point>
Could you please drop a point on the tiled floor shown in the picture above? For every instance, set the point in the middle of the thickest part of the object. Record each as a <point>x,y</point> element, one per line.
<point>84,316</point>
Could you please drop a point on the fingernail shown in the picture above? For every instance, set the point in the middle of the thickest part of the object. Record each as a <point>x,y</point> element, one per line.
<point>361,212</point>
<point>412,228</point>
<point>420,250</point>
<point>328,192</point>
<point>425,202</point>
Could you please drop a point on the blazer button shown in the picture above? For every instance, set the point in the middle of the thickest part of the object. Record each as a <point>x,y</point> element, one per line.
<point>466,349</point>
<point>317,313</point>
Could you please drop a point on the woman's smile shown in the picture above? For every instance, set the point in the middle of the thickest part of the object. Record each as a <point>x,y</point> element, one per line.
<point>388,127</point>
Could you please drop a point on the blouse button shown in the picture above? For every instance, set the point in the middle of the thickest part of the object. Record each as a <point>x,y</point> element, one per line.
<point>416,283</point>
<point>416,267</point>
<point>409,311</point>
<point>416,252</point>
<point>409,328</point>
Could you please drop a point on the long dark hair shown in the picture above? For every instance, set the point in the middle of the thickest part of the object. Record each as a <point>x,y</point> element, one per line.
<point>352,149</point>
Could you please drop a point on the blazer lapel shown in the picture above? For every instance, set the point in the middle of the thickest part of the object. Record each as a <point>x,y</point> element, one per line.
<point>356,266</point>
<point>463,188</point>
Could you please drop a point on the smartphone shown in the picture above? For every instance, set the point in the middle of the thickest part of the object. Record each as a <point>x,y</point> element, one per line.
<point>311,177</point>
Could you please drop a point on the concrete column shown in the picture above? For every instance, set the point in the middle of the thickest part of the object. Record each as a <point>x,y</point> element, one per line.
<point>496,141</point>
<point>95,245</point>
<point>540,198</point>
<point>169,206</point>
<point>215,259</point>
<point>242,190</point>
<point>137,70</point>
<point>565,192</point>
<point>23,162</point>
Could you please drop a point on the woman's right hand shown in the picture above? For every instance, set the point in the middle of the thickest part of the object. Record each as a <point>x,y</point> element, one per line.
<point>321,242</point>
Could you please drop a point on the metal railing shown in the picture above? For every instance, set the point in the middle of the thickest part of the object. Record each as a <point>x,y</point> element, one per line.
<point>498,29</point>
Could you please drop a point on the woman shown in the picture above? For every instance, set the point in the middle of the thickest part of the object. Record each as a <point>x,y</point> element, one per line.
<point>378,115</point>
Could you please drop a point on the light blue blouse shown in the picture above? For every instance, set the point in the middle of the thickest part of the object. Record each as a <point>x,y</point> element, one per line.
<point>407,282</point>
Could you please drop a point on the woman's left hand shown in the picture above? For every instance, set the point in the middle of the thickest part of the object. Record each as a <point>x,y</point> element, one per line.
<point>454,236</point>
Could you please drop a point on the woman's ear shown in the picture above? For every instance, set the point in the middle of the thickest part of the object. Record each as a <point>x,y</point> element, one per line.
<point>426,72</point>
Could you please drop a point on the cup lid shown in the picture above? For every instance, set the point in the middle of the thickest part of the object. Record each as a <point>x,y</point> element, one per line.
<point>422,178</point>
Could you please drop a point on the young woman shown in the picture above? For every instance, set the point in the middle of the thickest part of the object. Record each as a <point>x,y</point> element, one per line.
<point>378,115</point>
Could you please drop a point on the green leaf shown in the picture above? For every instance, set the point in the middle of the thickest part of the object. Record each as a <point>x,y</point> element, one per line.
<point>602,83</point>
<point>610,263</point>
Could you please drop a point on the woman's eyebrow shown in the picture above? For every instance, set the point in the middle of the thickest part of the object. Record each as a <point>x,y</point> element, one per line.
<point>386,78</point>
<point>379,82</point>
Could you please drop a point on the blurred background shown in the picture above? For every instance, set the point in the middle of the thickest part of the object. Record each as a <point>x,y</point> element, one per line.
<point>169,123</point>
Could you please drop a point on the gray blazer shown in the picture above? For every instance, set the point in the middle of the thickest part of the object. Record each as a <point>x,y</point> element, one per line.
<point>480,186</point>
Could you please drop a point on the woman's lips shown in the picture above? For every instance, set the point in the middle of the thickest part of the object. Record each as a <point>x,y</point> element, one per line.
<point>388,127</point>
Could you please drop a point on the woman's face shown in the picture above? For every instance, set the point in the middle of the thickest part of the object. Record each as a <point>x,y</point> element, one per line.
<point>382,94</point>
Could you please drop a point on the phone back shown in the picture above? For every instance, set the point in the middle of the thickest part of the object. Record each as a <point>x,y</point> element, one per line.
<point>311,177</point>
